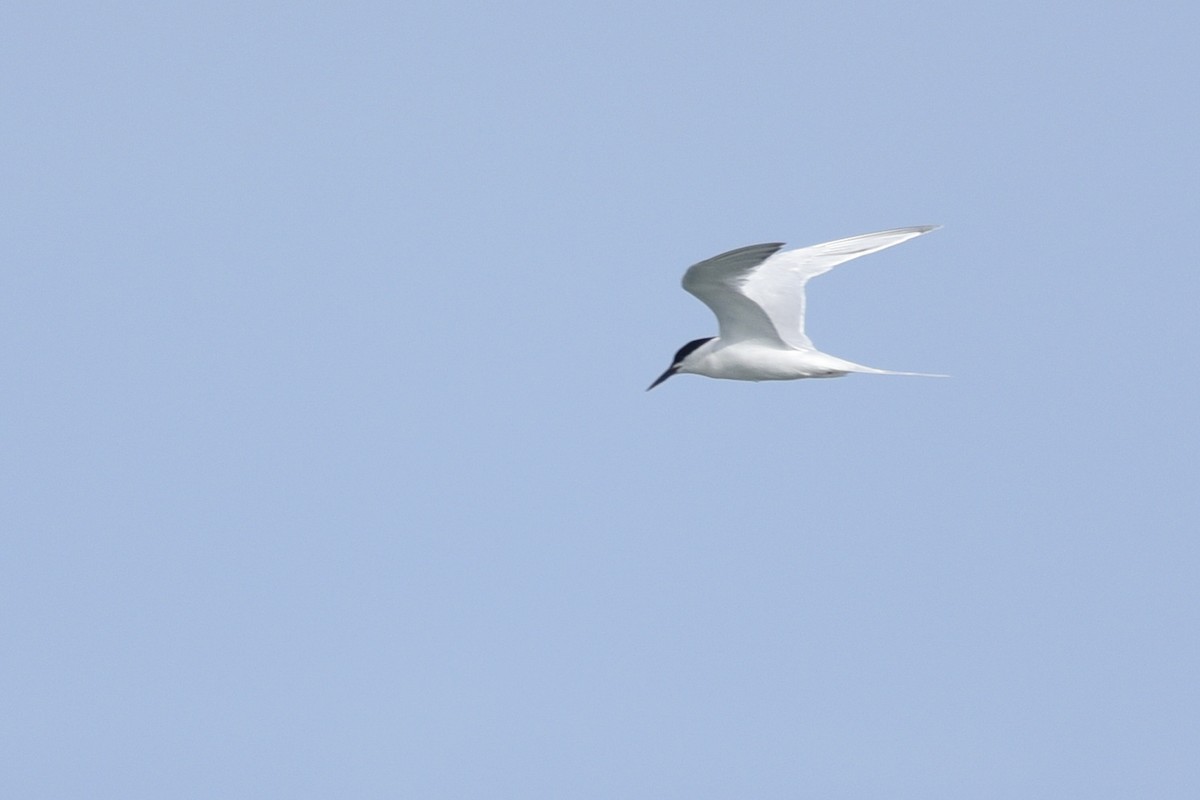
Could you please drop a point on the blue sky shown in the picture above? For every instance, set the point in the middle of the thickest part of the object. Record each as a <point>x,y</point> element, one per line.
<point>328,468</point>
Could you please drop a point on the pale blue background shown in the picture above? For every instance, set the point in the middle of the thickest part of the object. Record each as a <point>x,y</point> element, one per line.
<point>328,469</point>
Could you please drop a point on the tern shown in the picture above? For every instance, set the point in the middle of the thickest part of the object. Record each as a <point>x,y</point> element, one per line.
<point>757,294</point>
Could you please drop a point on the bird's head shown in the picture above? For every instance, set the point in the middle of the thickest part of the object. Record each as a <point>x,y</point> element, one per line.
<point>678,363</point>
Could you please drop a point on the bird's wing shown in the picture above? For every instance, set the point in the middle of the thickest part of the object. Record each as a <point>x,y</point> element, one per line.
<point>718,282</point>
<point>776,286</point>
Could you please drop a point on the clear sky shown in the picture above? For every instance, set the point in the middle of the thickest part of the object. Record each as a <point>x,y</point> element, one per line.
<point>328,469</point>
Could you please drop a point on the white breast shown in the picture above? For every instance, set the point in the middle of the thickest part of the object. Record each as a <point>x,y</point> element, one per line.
<point>754,361</point>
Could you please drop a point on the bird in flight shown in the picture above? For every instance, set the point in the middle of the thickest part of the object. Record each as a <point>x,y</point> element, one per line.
<point>757,294</point>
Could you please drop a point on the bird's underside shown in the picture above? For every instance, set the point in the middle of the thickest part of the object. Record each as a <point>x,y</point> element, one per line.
<point>751,361</point>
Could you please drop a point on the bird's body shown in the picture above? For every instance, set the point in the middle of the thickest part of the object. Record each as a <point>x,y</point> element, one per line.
<point>757,294</point>
<point>760,361</point>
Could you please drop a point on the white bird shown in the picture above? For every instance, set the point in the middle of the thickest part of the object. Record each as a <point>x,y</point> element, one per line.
<point>757,294</point>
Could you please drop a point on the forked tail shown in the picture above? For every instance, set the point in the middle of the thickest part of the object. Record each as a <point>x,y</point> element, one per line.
<point>833,363</point>
<point>873,371</point>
